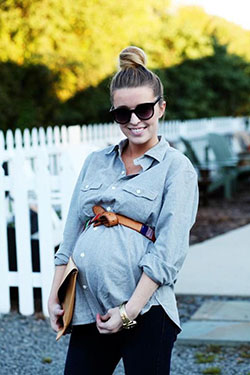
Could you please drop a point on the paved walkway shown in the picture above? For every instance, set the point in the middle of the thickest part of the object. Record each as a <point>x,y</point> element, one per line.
<point>219,266</point>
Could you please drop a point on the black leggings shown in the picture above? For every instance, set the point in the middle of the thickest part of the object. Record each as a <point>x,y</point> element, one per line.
<point>145,349</point>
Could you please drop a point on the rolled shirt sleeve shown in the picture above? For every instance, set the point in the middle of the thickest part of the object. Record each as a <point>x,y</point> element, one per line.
<point>165,256</point>
<point>74,224</point>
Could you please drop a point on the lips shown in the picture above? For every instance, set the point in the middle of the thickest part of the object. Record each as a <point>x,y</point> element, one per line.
<point>137,131</point>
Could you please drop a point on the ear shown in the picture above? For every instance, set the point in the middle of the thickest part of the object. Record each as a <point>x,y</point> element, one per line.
<point>162,108</point>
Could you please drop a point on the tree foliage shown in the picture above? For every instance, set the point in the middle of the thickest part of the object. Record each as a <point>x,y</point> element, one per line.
<point>27,96</point>
<point>79,39</point>
<point>199,27</point>
<point>57,57</point>
<point>211,86</point>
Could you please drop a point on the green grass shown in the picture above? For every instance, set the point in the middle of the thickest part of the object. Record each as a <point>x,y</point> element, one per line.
<point>204,358</point>
<point>212,370</point>
<point>212,348</point>
<point>245,354</point>
<point>46,360</point>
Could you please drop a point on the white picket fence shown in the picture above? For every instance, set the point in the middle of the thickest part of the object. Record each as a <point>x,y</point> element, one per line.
<point>46,192</point>
<point>72,139</point>
<point>42,170</point>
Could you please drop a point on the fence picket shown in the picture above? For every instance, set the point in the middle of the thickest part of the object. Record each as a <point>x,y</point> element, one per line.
<point>49,136</point>
<point>42,136</point>
<point>26,139</point>
<point>74,135</point>
<point>46,245</point>
<point>2,142</point>
<point>84,134</point>
<point>57,135</point>
<point>23,243</point>
<point>2,147</point>
<point>10,141</point>
<point>64,135</point>
<point>4,265</point>
<point>18,139</point>
<point>34,137</point>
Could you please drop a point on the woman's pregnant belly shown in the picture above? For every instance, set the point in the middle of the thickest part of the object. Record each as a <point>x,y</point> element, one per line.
<point>108,260</point>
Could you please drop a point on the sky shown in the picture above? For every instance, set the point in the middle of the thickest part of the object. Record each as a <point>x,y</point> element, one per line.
<point>237,11</point>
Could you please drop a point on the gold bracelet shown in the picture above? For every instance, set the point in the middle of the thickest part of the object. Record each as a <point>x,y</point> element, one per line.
<point>126,322</point>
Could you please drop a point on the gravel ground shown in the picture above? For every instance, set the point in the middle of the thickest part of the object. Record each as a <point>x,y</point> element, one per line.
<point>28,346</point>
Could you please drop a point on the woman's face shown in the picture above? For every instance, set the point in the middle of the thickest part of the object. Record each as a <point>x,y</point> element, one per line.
<point>139,132</point>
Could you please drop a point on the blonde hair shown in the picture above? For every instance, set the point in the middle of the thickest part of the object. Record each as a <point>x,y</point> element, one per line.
<point>133,72</point>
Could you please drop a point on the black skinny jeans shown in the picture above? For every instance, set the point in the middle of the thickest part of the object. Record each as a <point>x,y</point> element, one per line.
<point>145,349</point>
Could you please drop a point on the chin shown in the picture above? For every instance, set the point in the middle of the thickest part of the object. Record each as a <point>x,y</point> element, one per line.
<point>138,140</point>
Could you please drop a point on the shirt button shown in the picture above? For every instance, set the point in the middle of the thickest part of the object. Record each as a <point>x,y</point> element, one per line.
<point>138,191</point>
<point>86,186</point>
<point>108,208</point>
<point>82,255</point>
<point>84,286</point>
<point>123,172</point>
<point>113,188</point>
<point>95,228</point>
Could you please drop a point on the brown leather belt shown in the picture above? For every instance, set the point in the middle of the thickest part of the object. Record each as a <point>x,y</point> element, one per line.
<point>109,219</point>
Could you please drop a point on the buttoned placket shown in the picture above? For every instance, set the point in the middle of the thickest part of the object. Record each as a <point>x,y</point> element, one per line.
<point>116,184</point>
<point>94,306</point>
<point>83,283</point>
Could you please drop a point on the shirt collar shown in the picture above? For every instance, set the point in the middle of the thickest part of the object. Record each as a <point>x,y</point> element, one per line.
<point>157,152</point>
<point>118,147</point>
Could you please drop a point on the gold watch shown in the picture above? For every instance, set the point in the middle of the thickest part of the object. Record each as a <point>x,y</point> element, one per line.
<point>126,322</point>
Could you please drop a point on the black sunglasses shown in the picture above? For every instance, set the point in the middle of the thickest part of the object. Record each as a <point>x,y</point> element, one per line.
<point>143,111</point>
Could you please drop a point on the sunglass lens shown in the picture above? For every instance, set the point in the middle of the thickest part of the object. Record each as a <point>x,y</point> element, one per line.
<point>144,111</point>
<point>122,115</point>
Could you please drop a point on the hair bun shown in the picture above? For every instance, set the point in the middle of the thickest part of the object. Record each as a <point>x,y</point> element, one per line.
<point>132,57</point>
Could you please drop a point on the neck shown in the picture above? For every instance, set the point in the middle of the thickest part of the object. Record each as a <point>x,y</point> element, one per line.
<point>134,151</point>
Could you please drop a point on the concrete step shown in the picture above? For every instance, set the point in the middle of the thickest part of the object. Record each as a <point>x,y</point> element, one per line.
<point>218,266</point>
<point>224,310</point>
<point>218,322</point>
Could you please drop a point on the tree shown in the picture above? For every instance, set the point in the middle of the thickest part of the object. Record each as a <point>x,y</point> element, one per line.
<point>78,39</point>
<point>27,96</point>
<point>217,85</point>
<point>74,46</point>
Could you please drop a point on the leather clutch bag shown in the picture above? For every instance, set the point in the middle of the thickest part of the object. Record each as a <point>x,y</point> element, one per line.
<point>66,294</point>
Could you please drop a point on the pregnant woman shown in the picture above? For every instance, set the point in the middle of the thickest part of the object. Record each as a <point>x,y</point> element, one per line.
<point>127,231</point>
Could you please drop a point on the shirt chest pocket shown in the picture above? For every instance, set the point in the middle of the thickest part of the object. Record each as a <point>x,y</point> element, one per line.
<point>139,202</point>
<point>89,196</point>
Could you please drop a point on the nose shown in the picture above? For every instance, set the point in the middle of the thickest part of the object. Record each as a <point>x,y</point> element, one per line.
<point>134,120</point>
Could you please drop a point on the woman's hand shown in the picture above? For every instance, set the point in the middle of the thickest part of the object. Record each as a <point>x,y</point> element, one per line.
<point>55,313</point>
<point>109,323</point>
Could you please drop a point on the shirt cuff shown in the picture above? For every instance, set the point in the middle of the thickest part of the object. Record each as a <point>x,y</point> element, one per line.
<point>61,259</point>
<point>158,270</point>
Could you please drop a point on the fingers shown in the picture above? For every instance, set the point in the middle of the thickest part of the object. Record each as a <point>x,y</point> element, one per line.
<point>109,323</point>
<point>105,317</point>
<point>101,324</point>
<point>59,311</point>
<point>56,313</point>
<point>55,326</point>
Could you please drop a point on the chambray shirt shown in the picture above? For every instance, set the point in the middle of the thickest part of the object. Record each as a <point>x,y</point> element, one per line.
<point>163,195</point>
